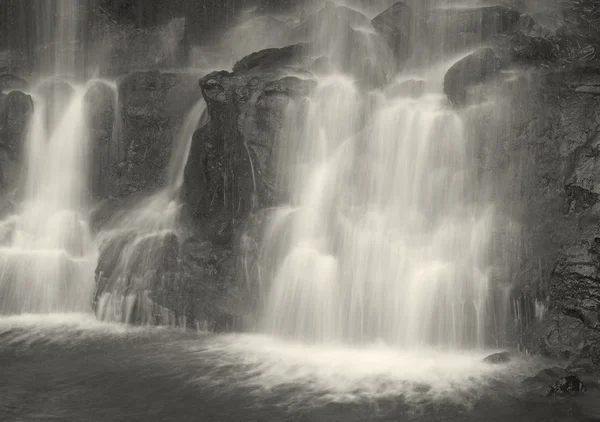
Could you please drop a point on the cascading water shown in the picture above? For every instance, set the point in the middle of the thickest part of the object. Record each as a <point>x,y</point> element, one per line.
<point>142,236</point>
<point>382,237</point>
<point>47,259</point>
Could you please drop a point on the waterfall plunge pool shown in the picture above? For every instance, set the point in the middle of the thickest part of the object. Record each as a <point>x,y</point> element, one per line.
<point>73,367</point>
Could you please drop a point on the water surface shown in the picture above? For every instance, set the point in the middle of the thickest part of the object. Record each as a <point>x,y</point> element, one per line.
<point>73,368</point>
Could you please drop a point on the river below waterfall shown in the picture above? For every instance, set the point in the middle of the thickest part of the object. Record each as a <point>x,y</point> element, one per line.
<point>70,367</point>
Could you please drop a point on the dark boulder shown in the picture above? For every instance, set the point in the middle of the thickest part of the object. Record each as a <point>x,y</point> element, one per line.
<point>230,175</point>
<point>554,381</point>
<point>152,107</point>
<point>582,170</point>
<point>530,50</point>
<point>587,364</point>
<point>272,57</point>
<point>231,169</point>
<point>15,112</point>
<point>478,67</point>
<point>101,103</point>
<point>10,82</point>
<point>496,358</point>
<point>207,290</point>
<point>394,25</point>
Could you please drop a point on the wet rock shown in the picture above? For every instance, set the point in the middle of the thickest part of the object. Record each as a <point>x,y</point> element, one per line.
<point>496,358</point>
<point>558,335</point>
<point>101,104</point>
<point>581,175</point>
<point>478,67</point>
<point>152,108</point>
<point>587,365</point>
<point>271,57</point>
<point>394,25</point>
<point>321,65</point>
<point>209,290</point>
<point>290,86</point>
<point>132,264</point>
<point>10,82</point>
<point>554,381</point>
<point>528,49</point>
<point>231,174</point>
<point>246,114</point>
<point>15,112</point>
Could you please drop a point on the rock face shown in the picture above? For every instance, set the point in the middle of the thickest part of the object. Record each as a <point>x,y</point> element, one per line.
<point>153,105</point>
<point>554,381</point>
<point>230,174</point>
<point>16,109</point>
<point>192,276</point>
<point>235,148</point>
<point>101,102</point>
<point>476,68</point>
<point>538,147</point>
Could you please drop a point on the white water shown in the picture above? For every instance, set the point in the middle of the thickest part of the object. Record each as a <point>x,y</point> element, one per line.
<point>145,228</point>
<point>342,374</point>
<point>386,239</point>
<point>47,258</point>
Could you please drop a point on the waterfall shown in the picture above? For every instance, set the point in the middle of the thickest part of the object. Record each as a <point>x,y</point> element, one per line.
<point>47,257</point>
<point>144,237</point>
<point>386,239</point>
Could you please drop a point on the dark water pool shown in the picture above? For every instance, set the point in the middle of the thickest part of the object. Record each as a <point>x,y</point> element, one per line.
<point>71,368</point>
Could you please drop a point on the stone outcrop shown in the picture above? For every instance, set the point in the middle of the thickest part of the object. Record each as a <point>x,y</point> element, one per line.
<point>101,102</point>
<point>16,109</point>
<point>478,67</point>
<point>230,176</point>
<point>554,382</point>
<point>152,108</point>
<point>235,148</point>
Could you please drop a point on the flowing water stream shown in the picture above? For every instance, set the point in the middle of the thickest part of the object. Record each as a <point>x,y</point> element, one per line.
<point>48,258</point>
<point>376,301</point>
<point>385,240</point>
